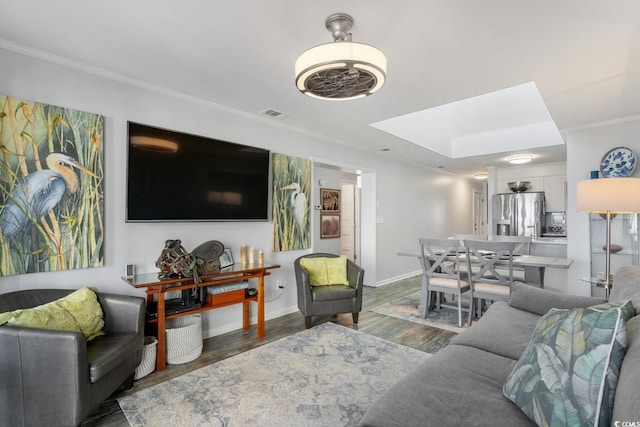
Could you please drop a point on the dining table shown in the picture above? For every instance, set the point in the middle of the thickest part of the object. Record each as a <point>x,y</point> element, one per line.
<point>533,265</point>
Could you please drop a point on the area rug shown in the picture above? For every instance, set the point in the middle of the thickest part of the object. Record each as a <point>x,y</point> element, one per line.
<point>324,376</point>
<point>406,308</point>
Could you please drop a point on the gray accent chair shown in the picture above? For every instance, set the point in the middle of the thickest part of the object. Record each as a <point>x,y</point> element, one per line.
<point>331,299</point>
<point>56,378</point>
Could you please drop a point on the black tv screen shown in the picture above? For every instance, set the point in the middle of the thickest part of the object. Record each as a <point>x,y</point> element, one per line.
<point>174,176</point>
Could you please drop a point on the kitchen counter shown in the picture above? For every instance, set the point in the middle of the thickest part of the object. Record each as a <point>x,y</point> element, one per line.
<point>550,241</point>
<point>552,246</point>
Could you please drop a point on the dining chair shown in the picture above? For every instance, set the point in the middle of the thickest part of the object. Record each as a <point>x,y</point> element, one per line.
<point>522,247</point>
<point>441,260</point>
<point>523,243</point>
<point>492,277</point>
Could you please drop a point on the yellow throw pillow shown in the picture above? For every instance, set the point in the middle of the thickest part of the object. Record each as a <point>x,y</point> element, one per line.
<point>46,316</point>
<point>79,311</point>
<point>317,269</point>
<point>83,305</point>
<point>337,270</point>
<point>4,317</point>
<point>326,271</point>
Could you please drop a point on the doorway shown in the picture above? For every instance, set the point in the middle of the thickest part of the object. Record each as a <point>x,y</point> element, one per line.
<point>479,222</point>
<point>350,226</point>
<point>365,188</point>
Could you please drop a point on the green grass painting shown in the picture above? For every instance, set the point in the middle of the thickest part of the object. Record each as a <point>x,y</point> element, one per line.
<point>51,188</point>
<point>291,187</point>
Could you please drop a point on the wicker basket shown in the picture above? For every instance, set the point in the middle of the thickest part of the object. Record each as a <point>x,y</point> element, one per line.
<point>184,339</point>
<point>148,362</point>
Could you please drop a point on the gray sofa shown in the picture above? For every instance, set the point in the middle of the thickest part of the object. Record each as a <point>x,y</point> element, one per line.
<point>462,384</point>
<point>56,378</point>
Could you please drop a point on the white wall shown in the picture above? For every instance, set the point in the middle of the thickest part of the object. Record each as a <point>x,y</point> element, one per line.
<point>585,149</point>
<point>414,201</point>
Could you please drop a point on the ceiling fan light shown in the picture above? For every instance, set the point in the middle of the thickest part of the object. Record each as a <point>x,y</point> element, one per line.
<point>343,69</point>
<point>313,95</point>
<point>520,159</point>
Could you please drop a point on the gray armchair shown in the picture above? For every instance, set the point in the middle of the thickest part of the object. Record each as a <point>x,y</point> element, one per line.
<point>56,378</point>
<point>332,299</point>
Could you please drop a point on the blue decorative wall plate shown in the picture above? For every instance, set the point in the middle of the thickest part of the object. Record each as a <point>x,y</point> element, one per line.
<point>618,162</point>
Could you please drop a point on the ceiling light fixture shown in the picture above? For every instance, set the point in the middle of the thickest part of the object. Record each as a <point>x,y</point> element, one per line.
<point>341,70</point>
<point>520,159</point>
<point>481,175</point>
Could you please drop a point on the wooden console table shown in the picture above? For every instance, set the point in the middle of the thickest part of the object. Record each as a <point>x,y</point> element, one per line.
<point>156,288</point>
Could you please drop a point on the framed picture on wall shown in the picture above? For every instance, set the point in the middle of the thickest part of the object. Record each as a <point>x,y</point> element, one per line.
<point>329,226</point>
<point>330,200</point>
<point>226,259</point>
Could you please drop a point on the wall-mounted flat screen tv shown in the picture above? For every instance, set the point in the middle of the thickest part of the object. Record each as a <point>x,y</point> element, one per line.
<point>174,176</point>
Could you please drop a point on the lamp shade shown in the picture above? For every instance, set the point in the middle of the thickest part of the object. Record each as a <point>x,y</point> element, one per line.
<point>621,195</point>
<point>340,70</point>
<point>343,69</point>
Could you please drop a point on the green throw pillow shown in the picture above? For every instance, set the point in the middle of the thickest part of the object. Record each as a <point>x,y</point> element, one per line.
<point>46,316</point>
<point>564,372</point>
<point>83,305</point>
<point>317,269</point>
<point>79,311</point>
<point>326,271</point>
<point>337,270</point>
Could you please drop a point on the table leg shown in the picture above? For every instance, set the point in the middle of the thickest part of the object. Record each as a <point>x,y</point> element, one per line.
<point>423,288</point>
<point>246,318</point>
<point>161,360</point>
<point>261,306</point>
<point>423,294</point>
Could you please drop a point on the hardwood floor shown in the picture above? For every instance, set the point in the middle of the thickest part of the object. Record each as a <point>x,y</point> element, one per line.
<point>220,347</point>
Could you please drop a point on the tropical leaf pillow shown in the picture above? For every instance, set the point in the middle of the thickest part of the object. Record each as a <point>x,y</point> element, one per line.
<point>564,372</point>
<point>628,311</point>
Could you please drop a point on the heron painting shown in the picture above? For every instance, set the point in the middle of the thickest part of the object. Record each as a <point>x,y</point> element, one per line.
<point>291,187</point>
<point>51,188</point>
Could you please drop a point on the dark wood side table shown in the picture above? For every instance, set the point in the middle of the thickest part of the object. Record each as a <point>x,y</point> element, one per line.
<point>156,288</point>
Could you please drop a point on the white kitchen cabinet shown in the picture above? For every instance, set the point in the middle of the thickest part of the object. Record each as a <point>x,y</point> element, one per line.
<point>555,193</point>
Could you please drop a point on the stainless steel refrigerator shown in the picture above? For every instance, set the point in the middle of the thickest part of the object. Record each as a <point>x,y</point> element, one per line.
<point>518,214</point>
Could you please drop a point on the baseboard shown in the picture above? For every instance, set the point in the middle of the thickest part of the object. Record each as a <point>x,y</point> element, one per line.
<point>228,327</point>
<point>396,278</point>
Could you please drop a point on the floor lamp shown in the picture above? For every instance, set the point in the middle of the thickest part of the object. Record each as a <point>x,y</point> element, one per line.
<point>609,196</point>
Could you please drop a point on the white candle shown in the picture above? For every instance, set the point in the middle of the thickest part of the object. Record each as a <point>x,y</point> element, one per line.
<point>252,253</point>
<point>243,253</point>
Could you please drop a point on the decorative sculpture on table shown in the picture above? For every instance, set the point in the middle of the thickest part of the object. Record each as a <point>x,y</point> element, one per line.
<point>174,260</point>
<point>209,252</point>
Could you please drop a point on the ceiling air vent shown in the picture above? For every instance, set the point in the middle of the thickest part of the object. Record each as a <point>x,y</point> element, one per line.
<point>273,113</point>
